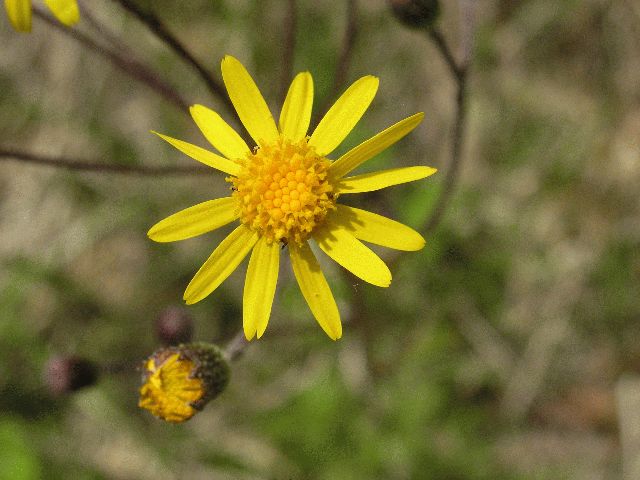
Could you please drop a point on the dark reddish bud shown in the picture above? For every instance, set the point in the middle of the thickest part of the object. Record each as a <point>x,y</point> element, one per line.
<point>67,374</point>
<point>416,13</point>
<point>174,326</point>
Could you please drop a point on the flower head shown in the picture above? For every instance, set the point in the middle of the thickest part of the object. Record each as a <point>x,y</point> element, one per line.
<point>179,381</point>
<point>285,193</point>
<point>19,12</point>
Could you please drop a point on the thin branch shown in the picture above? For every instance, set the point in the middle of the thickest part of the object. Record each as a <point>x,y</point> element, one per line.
<point>290,26</point>
<point>130,66</point>
<point>160,30</point>
<point>119,367</point>
<point>443,48</point>
<point>346,54</point>
<point>459,70</point>
<point>90,19</point>
<point>349,42</point>
<point>89,166</point>
<point>453,171</point>
<point>236,346</point>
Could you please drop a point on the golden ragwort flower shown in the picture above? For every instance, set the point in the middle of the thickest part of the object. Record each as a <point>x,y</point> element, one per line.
<point>19,12</point>
<point>285,192</point>
<point>179,381</point>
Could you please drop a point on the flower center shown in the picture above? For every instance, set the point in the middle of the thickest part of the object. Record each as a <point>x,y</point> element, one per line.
<point>283,190</point>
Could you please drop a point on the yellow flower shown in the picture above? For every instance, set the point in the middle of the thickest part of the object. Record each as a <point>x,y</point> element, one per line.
<point>179,381</point>
<point>285,192</point>
<point>19,12</point>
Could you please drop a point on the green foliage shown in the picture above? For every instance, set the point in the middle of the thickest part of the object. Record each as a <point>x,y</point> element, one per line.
<point>17,460</point>
<point>542,227</point>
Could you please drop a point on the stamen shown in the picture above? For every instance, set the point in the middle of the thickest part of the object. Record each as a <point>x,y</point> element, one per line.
<point>283,191</point>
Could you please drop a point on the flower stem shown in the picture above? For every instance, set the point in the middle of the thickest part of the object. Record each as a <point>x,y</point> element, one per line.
<point>236,346</point>
<point>346,55</point>
<point>130,66</point>
<point>89,166</point>
<point>290,25</point>
<point>459,70</point>
<point>160,30</point>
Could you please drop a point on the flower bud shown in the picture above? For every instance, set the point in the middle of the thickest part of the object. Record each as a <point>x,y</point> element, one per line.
<point>67,374</point>
<point>174,326</point>
<point>179,381</point>
<point>416,13</point>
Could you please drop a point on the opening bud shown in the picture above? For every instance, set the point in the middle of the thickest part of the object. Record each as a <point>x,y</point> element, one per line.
<point>179,381</point>
<point>416,13</point>
<point>174,326</point>
<point>66,374</point>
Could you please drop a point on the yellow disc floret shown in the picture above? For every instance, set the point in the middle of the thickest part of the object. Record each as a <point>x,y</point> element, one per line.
<point>283,190</point>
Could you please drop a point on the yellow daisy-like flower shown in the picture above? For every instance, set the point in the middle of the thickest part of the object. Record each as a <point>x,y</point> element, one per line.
<point>19,12</point>
<point>170,391</point>
<point>179,381</point>
<point>285,192</point>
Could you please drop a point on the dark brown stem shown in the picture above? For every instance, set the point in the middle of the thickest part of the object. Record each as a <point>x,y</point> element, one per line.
<point>89,18</point>
<point>453,171</point>
<point>130,66</point>
<point>346,54</point>
<point>160,30</point>
<point>459,70</point>
<point>120,367</point>
<point>88,166</point>
<point>290,24</point>
<point>443,48</point>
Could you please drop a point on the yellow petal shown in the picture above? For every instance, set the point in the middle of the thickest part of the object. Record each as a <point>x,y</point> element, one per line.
<point>222,262</point>
<point>248,101</point>
<point>343,115</point>
<point>348,251</point>
<point>194,221</point>
<point>65,10</point>
<point>19,13</point>
<point>383,179</point>
<point>315,289</point>
<point>260,287</point>
<point>219,133</point>
<point>373,228</point>
<point>204,156</point>
<point>376,144</point>
<point>296,111</point>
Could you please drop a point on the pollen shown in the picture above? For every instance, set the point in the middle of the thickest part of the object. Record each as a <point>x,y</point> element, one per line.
<point>283,191</point>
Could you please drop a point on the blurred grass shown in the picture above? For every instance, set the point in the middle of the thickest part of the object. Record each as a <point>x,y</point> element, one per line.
<point>493,355</point>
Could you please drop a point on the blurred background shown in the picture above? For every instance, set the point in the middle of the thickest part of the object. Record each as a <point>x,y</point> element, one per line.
<point>507,349</point>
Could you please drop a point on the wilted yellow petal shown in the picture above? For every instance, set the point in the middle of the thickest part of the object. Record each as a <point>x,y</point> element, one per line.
<point>248,101</point>
<point>373,228</point>
<point>219,133</point>
<point>376,144</point>
<point>65,10</point>
<point>196,220</point>
<point>260,287</point>
<point>369,182</point>
<point>19,13</point>
<point>348,251</point>
<point>343,115</point>
<point>315,289</point>
<point>222,262</point>
<point>296,111</point>
<point>204,156</point>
